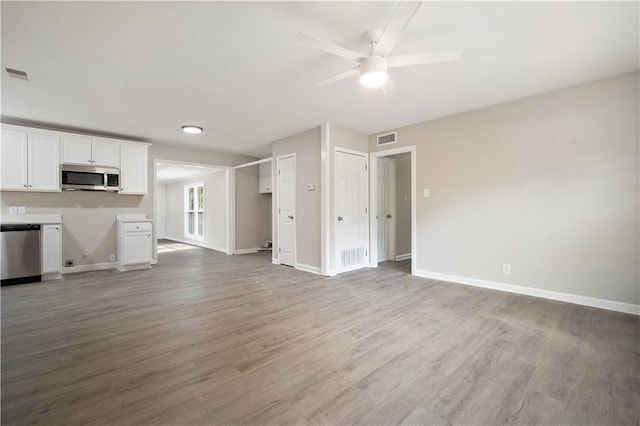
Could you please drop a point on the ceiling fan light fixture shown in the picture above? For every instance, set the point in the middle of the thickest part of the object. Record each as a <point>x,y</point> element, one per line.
<point>373,71</point>
<point>189,128</point>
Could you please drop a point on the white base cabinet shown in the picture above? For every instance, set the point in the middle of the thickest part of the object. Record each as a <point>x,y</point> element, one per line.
<point>135,244</point>
<point>51,251</point>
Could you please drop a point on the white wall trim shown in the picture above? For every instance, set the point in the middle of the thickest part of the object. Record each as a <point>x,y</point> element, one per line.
<point>246,251</point>
<point>90,267</point>
<point>308,268</point>
<point>610,305</point>
<point>403,257</point>
<point>325,198</point>
<point>275,261</point>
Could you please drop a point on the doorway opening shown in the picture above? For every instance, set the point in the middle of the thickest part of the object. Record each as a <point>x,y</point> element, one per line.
<point>191,205</point>
<point>393,201</point>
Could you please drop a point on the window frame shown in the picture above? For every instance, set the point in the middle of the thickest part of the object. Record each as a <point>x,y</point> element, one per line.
<point>198,208</point>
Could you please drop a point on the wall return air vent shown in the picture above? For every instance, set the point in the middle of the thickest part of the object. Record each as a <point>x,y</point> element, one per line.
<point>17,73</point>
<point>387,138</point>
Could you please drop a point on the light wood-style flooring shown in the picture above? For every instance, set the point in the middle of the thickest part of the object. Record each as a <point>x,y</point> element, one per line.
<point>205,338</point>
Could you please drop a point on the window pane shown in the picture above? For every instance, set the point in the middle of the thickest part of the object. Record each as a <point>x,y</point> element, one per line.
<point>190,207</point>
<point>191,217</point>
<point>201,224</point>
<point>201,198</point>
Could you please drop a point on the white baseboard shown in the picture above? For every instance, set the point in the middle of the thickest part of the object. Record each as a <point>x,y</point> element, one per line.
<point>307,268</point>
<point>403,257</point>
<point>610,305</point>
<point>91,267</point>
<point>275,261</point>
<point>51,276</point>
<point>246,251</point>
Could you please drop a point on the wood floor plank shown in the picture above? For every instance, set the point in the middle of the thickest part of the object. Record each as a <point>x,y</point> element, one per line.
<point>205,338</point>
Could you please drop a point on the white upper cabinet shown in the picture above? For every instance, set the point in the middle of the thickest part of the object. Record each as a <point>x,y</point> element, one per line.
<point>87,151</point>
<point>30,161</point>
<point>44,162</point>
<point>266,178</point>
<point>105,154</point>
<point>133,169</point>
<point>14,160</point>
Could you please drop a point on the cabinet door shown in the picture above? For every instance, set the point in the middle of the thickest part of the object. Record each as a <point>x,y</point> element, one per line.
<point>137,247</point>
<point>76,150</point>
<point>51,248</point>
<point>266,183</point>
<point>133,169</point>
<point>13,150</point>
<point>44,162</point>
<point>105,154</point>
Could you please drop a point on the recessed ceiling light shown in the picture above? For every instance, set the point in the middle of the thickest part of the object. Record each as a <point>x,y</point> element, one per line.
<point>191,129</point>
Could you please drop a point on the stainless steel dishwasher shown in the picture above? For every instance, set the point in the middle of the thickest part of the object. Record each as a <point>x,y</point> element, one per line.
<point>20,246</point>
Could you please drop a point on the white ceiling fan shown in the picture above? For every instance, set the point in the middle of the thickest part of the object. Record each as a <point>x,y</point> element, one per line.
<point>373,68</point>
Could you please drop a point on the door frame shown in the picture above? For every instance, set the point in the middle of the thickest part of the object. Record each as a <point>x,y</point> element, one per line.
<point>367,261</point>
<point>276,212</point>
<point>391,232</point>
<point>373,203</point>
<point>230,199</point>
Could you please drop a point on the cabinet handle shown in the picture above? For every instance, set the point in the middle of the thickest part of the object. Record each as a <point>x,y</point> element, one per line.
<point>30,186</point>
<point>388,216</point>
<point>148,236</point>
<point>121,189</point>
<point>25,185</point>
<point>339,218</point>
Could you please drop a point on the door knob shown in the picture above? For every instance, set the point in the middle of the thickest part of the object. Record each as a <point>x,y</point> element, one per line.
<point>388,216</point>
<point>339,218</point>
<point>290,216</point>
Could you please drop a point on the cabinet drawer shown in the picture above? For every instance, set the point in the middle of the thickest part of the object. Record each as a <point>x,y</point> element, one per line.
<point>137,227</point>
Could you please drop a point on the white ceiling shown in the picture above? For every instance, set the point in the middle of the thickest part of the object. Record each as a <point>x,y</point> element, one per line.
<point>143,69</point>
<point>171,172</point>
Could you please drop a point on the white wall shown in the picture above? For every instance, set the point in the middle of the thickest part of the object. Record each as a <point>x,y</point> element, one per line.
<point>548,184</point>
<point>216,196</point>
<point>161,211</point>
<point>306,146</point>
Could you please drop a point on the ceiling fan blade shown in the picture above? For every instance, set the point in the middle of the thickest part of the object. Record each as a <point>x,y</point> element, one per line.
<point>329,47</point>
<point>423,58</point>
<point>396,25</point>
<point>338,77</point>
<point>389,87</point>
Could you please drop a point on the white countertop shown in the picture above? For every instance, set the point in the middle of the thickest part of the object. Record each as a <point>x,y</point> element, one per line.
<point>31,218</point>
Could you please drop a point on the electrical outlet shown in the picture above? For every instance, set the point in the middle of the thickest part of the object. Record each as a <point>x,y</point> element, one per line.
<point>22,210</point>
<point>13,209</point>
<point>506,268</point>
<point>112,258</point>
<point>69,263</point>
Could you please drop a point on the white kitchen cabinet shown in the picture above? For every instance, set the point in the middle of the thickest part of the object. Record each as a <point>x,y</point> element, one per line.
<point>88,151</point>
<point>266,178</point>
<point>51,249</point>
<point>133,169</point>
<point>30,161</point>
<point>135,244</point>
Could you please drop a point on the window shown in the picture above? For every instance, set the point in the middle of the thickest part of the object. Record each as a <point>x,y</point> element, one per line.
<point>194,211</point>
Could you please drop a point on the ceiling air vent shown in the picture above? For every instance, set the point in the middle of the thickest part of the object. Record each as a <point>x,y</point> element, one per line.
<point>387,138</point>
<point>17,73</point>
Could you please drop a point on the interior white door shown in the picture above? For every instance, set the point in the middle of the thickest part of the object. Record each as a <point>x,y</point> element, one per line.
<point>286,209</point>
<point>352,237</point>
<point>385,208</point>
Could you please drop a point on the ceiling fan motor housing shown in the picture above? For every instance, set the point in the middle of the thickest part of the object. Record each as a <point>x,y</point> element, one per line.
<point>373,71</point>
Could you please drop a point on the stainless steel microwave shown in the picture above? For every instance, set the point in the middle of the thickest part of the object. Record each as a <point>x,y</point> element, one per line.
<point>90,178</point>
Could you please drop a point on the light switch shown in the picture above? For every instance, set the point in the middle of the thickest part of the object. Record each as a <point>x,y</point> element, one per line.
<point>310,187</point>
<point>22,209</point>
<point>427,193</point>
